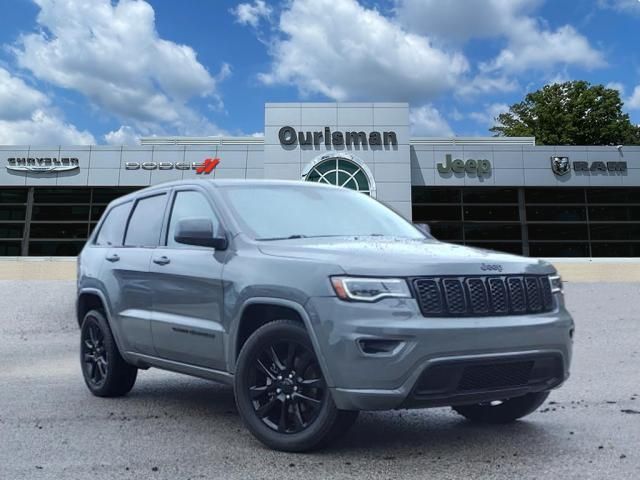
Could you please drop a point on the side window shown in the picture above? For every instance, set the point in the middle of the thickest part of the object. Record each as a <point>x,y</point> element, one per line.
<point>189,204</point>
<point>112,229</point>
<point>146,222</point>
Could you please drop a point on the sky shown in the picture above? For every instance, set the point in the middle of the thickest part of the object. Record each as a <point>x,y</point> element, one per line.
<point>109,71</point>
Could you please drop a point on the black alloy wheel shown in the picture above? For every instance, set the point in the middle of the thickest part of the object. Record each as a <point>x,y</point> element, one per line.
<point>286,387</point>
<point>105,372</point>
<point>94,355</point>
<point>281,392</point>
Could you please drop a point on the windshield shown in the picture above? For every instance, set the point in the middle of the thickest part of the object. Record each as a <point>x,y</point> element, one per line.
<point>274,212</point>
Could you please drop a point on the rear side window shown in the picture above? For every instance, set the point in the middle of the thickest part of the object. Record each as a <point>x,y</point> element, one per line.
<point>112,229</point>
<point>146,222</point>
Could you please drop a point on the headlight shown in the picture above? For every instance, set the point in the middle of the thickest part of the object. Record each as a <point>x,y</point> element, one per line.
<point>369,289</point>
<point>556,283</point>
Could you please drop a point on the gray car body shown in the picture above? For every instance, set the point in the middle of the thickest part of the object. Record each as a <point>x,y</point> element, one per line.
<point>187,315</point>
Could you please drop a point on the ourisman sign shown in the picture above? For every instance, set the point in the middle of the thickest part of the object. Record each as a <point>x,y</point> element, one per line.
<point>288,136</point>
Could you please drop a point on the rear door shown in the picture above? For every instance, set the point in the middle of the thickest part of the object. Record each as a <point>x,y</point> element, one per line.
<point>188,293</point>
<point>126,273</point>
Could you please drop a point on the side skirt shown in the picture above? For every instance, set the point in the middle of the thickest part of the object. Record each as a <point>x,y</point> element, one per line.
<point>143,361</point>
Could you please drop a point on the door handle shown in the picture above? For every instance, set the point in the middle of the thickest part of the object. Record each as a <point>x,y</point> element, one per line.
<point>114,257</point>
<point>161,260</point>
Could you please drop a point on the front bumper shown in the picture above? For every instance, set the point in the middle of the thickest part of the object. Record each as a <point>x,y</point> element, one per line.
<point>386,355</point>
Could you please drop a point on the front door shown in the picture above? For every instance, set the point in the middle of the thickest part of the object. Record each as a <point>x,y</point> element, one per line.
<point>187,290</point>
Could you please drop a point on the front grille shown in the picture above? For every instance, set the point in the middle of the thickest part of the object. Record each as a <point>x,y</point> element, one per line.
<point>482,295</point>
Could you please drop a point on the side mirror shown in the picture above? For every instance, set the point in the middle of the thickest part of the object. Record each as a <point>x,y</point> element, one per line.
<point>424,228</point>
<point>199,232</point>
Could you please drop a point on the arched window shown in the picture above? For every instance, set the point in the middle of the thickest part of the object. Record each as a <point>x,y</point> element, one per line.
<point>342,172</point>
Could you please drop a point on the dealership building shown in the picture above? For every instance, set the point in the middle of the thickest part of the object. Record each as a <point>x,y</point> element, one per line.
<point>500,193</point>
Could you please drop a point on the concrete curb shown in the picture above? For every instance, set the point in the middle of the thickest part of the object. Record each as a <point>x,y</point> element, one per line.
<point>571,269</point>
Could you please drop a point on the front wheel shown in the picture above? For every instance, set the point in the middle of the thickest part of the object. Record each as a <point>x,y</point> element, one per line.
<point>505,411</point>
<point>281,393</point>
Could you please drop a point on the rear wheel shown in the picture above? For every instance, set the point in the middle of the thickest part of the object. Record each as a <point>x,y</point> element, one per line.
<point>281,393</point>
<point>505,411</point>
<point>105,371</point>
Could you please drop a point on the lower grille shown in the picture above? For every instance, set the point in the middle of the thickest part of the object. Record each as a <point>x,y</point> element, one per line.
<point>495,376</point>
<point>482,295</point>
<point>462,378</point>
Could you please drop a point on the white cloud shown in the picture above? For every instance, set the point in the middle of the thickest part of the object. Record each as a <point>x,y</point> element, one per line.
<point>616,86</point>
<point>624,6</point>
<point>427,121</point>
<point>633,102</point>
<point>532,48</point>
<point>490,114</point>
<point>461,20</point>
<point>251,14</point>
<point>484,84</point>
<point>346,51</point>
<point>530,44</point>
<point>125,135</point>
<point>112,54</point>
<point>44,129</point>
<point>17,99</point>
<point>26,117</point>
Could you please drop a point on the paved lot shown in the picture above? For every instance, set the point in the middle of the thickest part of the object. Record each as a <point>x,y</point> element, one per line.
<point>176,427</point>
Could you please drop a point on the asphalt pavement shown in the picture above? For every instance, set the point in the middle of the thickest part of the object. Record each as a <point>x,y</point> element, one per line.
<point>175,427</point>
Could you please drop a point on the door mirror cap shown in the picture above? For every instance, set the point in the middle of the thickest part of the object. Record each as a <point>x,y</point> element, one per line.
<point>199,232</point>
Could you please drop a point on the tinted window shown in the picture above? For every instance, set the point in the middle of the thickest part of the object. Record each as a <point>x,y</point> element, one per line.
<point>12,213</point>
<point>435,195</point>
<point>13,195</point>
<point>58,230</point>
<point>189,205</point>
<point>112,229</point>
<point>490,195</point>
<point>492,231</point>
<point>554,195</point>
<point>61,212</point>
<point>11,230</point>
<point>62,195</point>
<point>423,213</point>
<point>146,222</point>
<point>491,213</point>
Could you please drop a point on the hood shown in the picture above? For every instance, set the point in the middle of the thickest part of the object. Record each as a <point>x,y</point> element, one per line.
<point>386,256</point>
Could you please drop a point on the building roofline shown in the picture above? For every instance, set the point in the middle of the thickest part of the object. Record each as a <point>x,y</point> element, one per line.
<point>413,141</point>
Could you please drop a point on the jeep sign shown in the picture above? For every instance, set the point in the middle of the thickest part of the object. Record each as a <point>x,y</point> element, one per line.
<point>470,167</point>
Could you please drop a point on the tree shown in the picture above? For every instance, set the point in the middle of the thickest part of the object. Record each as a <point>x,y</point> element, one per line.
<point>570,113</point>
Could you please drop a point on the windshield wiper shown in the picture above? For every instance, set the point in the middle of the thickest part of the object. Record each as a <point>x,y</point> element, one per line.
<point>290,237</point>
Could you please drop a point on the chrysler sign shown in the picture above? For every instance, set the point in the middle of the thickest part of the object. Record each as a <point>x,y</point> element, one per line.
<point>42,164</point>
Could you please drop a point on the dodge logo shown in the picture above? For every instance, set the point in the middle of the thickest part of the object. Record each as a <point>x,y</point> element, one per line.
<point>560,165</point>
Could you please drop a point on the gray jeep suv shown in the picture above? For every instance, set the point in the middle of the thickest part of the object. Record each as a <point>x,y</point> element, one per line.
<point>314,302</point>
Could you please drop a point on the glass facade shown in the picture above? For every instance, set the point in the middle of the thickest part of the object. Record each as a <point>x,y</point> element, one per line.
<point>50,221</point>
<point>539,222</point>
<point>534,221</point>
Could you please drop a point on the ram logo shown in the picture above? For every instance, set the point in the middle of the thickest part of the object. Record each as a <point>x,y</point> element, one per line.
<point>560,165</point>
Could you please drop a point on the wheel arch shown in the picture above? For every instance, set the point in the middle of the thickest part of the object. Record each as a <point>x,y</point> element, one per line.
<point>246,324</point>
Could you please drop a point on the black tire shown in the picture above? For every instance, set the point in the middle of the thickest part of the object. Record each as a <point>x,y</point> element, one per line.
<point>506,412</point>
<point>104,370</point>
<point>290,413</point>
